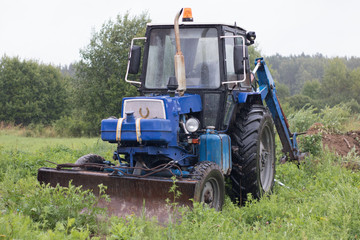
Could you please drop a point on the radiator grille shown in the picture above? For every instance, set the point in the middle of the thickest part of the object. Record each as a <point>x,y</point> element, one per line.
<point>145,108</point>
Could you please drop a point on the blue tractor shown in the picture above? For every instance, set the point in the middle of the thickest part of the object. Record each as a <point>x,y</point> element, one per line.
<point>200,117</point>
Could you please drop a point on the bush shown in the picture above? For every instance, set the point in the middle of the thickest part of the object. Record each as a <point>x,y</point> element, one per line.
<point>19,226</point>
<point>72,127</point>
<point>312,144</point>
<point>39,130</point>
<point>301,120</point>
<point>299,101</point>
<point>50,206</point>
<point>334,118</point>
<point>354,106</point>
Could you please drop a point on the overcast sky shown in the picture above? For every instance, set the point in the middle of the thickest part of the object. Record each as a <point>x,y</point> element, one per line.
<point>53,31</point>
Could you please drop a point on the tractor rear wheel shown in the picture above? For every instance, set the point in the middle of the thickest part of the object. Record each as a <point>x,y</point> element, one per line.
<point>90,158</point>
<point>210,189</point>
<point>253,153</point>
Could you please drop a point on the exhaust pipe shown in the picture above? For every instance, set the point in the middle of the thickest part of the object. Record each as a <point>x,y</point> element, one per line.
<point>179,58</point>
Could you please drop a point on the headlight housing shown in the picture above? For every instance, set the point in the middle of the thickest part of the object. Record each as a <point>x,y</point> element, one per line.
<point>192,125</point>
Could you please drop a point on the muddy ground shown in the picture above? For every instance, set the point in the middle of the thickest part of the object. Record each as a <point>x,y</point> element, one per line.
<point>336,142</point>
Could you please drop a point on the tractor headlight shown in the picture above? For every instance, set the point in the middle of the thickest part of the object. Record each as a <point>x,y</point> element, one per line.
<point>192,125</point>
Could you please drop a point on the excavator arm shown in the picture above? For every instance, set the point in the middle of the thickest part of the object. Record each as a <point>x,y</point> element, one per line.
<point>268,94</point>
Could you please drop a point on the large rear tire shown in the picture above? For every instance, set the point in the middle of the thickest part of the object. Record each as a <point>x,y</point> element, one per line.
<point>253,153</point>
<point>210,189</point>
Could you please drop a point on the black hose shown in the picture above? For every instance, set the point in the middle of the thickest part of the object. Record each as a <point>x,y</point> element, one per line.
<point>152,171</point>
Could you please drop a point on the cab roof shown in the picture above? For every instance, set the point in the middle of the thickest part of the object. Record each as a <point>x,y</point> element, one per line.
<point>195,24</point>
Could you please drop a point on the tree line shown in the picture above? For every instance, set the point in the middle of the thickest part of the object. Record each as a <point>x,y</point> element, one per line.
<point>72,98</point>
<point>75,98</point>
<point>317,81</point>
<point>31,92</point>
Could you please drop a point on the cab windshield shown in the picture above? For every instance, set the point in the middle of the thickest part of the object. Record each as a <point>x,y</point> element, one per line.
<point>201,52</point>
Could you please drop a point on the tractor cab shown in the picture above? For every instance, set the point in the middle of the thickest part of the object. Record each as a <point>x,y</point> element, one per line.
<point>215,60</point>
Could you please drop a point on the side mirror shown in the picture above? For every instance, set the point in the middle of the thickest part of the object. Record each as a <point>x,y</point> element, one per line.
<point>239,59</point>
<point>135,59</point>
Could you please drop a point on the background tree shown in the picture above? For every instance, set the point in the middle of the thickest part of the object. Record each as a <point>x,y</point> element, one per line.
<point>294,71</point>
<point>100,85</point>
<point>31,92</point>
<point>355,88</point>
<point>282,90</point>
<point>254,52</point>
<point>336,83</point>
<point>318,81</point>
<point>312,89</point>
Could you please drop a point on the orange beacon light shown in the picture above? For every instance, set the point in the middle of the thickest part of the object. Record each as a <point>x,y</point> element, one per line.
<point>187,15</point>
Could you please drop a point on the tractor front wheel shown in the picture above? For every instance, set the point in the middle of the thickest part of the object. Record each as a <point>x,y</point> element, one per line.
<point>210,189</point>
<point>90,158</point>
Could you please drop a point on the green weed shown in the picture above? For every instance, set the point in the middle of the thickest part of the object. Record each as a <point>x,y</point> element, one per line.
<point>301,120</point>
<point>311,144</point>
<point>320,200</point>
<point>20,226</point>
<point>334,118</point>
<point>49,206</point>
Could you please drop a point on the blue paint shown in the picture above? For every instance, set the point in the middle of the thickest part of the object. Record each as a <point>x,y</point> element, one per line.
<point>153,131</point>
<point>159,137</point>
<point>216,148</point>
<point>267,90</point>
<point>177,154</point>
<point>242,97</point>
<point>178,173</point>
<point>189,103</point>
<point>165,173</point>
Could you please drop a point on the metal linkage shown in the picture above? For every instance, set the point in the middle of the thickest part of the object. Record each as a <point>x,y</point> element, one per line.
<point>268,94</point>
<point>120,170</point>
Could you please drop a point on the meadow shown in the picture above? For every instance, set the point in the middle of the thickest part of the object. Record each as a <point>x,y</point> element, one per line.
<point>319,199</point>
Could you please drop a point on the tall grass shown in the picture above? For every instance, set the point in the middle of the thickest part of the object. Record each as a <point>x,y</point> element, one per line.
<point>32,130</point>
<point>42,212</point>
<point>65,127</point>
<point>333,119</point>
<point>320,200</point>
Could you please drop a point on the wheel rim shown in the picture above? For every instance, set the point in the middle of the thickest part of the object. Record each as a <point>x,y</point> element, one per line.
<point>210,193</point>
<point>266,159</point>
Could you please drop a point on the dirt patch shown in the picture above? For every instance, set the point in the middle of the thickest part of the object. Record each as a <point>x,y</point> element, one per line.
<point>342,143</point>
<point>315,129</point>
<point>339,143</point>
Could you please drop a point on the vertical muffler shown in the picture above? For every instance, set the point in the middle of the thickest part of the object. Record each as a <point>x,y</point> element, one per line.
<point>179,58</point>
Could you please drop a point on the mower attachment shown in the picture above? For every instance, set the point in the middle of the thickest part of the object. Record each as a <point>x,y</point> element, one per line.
<point>128,194</point>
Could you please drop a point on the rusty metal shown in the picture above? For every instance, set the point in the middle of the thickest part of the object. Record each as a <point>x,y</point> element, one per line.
<point>179,58</point>
<point>129,195</point>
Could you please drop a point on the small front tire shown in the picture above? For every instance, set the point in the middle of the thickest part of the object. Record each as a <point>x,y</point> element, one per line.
<point>210,189</point>
<point>89,158</point>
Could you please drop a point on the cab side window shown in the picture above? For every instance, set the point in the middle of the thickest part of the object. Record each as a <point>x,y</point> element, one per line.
<point>229,57</point>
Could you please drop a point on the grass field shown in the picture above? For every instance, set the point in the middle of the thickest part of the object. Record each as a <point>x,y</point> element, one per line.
<point>320,200</point>
<point>34,144</point>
